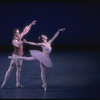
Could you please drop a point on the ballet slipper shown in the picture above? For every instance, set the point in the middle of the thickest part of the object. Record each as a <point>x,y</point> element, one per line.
<point>44,86</point>
<point>2,86</point>
<point>10,57</point>
<point>19,86</point>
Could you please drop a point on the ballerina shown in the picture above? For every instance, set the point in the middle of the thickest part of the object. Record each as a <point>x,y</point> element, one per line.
<point>42,57</point>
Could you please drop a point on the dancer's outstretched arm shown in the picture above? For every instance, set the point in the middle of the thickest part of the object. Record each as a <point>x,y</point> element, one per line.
<point>27,28</point>
<point>32,43</point>
<point>56,34</point>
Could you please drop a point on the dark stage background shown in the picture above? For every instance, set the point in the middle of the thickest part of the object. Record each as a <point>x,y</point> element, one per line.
<point>81,20</point>
<point>75,54</point>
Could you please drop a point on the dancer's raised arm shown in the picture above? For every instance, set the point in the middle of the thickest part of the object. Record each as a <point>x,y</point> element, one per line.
<point>56,34</point>
<point>27,28</point>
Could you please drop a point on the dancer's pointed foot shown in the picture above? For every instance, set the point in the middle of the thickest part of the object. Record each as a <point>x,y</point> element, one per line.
<point>44,86</point>
<point>10,57</point>
<point>19,86</point>
<point>2,86</point>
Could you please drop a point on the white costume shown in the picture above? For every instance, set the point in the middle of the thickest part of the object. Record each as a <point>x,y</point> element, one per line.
<point>42,57</point>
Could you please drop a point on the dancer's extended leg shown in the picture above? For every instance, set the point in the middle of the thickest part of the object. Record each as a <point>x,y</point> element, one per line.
<point>22,58</point>
<point>12,64</point>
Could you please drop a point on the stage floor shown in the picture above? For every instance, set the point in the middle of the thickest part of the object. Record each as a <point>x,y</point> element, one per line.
<point>74,75</point>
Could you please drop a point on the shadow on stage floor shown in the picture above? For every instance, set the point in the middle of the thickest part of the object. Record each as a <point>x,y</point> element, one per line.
<point>75,75</point>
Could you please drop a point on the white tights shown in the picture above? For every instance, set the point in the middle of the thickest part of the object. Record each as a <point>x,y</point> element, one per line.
<point>42,67</point>
<point>12,64</point>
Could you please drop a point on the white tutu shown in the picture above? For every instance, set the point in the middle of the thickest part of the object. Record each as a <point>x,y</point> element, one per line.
<point>42,57</point>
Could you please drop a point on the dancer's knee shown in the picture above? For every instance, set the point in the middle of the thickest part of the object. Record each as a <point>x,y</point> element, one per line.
<point>18,66</point>
<point>12,65</point>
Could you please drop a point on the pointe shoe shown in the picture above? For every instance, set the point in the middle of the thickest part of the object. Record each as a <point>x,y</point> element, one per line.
<point>19,86</point>
<point>2,86</point>
<point>10,57</point>
<point>45,87</point>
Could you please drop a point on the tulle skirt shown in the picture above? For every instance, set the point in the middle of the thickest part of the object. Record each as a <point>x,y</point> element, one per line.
<point>41,57</point>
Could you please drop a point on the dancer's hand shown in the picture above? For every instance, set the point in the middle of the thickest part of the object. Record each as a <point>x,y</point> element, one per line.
<point>62,29</point>
<point>34,22</point>
<point>24,41</point>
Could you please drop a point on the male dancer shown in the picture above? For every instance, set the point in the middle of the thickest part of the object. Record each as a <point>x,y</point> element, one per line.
<point>18,52</point>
